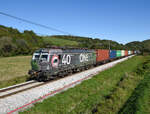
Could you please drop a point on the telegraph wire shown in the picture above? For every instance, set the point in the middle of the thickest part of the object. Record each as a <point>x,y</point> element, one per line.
<point>34,23</point>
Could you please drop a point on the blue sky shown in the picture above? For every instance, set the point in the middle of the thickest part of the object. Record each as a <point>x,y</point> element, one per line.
<point>119,20</point>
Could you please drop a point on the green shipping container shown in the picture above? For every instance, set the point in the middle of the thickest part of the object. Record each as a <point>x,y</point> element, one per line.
<point>118,54</point>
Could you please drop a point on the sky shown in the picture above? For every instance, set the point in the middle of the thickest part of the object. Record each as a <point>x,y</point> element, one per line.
<point>119,20</point>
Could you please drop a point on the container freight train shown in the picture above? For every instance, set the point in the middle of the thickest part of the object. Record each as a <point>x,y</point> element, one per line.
<point>51,63</point>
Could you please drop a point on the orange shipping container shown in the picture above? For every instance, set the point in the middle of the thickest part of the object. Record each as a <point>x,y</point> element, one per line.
<point>102,55</point>
<point>126,52</point>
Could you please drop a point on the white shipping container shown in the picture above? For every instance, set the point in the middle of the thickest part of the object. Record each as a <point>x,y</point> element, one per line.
<point>129,52</point>
<point>122,52</point>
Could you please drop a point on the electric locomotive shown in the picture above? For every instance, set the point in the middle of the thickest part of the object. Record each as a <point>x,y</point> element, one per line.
<point>50,63</point>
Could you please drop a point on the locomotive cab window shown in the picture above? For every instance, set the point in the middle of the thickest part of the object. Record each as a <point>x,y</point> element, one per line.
<point>44,57</point>
<point>36,56</point>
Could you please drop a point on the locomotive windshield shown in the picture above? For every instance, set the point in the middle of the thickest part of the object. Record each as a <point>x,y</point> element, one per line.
<point>40,56</point>
<point>44,57</point>
<point>36,56</point>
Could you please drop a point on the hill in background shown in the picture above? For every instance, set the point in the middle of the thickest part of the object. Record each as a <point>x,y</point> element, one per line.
<point>13,42</point>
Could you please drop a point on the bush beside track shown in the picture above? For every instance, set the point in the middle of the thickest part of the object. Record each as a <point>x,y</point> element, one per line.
<point>104,93</point>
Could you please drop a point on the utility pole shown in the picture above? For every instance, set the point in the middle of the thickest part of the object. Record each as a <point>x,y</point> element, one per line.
<point>109,44</point>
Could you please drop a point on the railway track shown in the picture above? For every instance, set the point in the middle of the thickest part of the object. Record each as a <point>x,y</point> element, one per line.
<point>5,92</point>
<point>15,86</point>
<point>12,90</point>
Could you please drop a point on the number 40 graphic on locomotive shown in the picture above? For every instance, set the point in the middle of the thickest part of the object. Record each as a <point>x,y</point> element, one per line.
<point>67,59</point>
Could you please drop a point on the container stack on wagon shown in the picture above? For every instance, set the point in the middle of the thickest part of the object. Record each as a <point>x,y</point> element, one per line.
<point>122,52</point>
<point>112,54</point>
<point>129,52</point>
<point>132,52</point>
<point>126,52</point>
<point>118,53</point>
<point>102,55</point>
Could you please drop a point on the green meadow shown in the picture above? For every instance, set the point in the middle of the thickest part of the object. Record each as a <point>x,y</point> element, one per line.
<point>14,70</point>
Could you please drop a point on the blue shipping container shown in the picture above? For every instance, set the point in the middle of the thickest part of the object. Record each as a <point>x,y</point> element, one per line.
<point>112,54</point>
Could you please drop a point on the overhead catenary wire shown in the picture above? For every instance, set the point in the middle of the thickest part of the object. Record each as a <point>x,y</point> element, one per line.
<point>34,23</point>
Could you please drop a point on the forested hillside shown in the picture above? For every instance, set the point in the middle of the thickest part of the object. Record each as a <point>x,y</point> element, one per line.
<point>13,42</point>
<point>86,42</point>
<point>143,46</point>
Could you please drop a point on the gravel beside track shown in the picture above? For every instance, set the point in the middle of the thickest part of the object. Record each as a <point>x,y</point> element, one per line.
<point>19,101</point>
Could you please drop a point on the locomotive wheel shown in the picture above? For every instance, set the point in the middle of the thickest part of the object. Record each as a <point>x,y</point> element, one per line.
<point>39,79</point>
<point>70,72</point>
<point>74,70</point>
<point>86,68</point>
<point>61,74</point>
<point>45,79</point>
<point>82,69</point>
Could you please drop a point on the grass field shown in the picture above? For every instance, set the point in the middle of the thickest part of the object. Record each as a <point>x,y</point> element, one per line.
<point>13,69</point>
<point>60,42</point>
<point>139,101</point>
<point>106,93</point>
<point>144,99</point>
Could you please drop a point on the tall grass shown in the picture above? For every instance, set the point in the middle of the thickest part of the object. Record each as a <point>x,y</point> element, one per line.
<point>87,96</point>
<point>139,101</point>
<point>12,69</point>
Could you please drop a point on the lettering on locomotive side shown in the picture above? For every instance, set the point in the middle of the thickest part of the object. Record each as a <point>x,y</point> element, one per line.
<point>83,57</point>
<point>66,59</point>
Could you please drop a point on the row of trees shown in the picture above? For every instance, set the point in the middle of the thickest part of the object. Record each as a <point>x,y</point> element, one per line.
<point>13,42</point>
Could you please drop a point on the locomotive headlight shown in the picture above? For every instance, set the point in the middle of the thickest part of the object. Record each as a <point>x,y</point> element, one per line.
<point>35,73</point>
